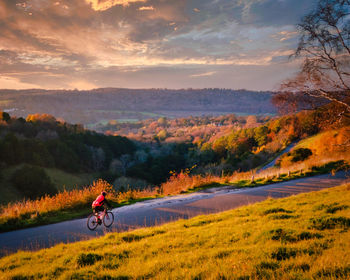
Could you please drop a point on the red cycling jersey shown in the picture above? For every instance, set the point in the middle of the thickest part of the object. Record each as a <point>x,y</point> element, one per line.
<point>99,201</point>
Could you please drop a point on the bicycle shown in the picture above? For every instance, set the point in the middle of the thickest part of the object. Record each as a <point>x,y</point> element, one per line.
<point>95,219</point>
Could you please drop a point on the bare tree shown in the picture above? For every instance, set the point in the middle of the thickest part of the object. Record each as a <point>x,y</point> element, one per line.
<point>324,45</point>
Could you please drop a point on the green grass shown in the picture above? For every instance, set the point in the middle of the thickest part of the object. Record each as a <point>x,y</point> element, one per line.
<point>284,177</point>
<point>251,242</point>
<point>64,180</point>
<point>61,179</point>
<point>309,142</point>
<point>316,170</point>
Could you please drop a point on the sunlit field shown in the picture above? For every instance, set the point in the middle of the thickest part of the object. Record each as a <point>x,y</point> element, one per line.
<point>300,237</point>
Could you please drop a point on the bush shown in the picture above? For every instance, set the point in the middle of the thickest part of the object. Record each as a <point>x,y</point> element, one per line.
<point>332,166</point>
<point>87,259</point>
<point>284,253</point>
<point>330,223</point>
<point>33,182</point>
<point>5,116</point>
<point>126,183</point>
<point>300,154</point>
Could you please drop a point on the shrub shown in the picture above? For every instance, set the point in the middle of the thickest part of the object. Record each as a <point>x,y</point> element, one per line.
<point>330,223</point>
<point>276,210</point>
<point>282,235</point>
<point>88,259</point>
<point>267,265</point>
<point>284,253</point>
<point>305,235</point>
<point>303,266</point>
<point>132,237</point>
<point>33,182</point>
<point>334,273</point>
<point>5,116</point>
<point>126,183</point>
<point>331,166</point>
<point>332,210</point>
<point>300,154</point>
<point>282,217</point>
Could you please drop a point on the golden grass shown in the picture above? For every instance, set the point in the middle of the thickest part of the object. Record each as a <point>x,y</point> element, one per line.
<point>327,146</point>
<point>300,237</point>
<point>61,201</point>
<point>67,200</point>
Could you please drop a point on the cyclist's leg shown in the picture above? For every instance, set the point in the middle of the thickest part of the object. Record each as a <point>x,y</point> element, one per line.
<point>103,210</point>
<point>99,209</point>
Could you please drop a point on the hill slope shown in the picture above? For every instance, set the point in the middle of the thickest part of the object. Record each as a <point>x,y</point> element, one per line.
<point>301,237</point>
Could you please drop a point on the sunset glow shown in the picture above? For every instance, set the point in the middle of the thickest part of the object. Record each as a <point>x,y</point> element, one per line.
<point>148,43</point>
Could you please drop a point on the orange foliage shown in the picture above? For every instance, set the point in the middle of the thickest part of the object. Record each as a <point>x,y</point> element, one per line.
<point>182,182</point>
<point>41,117</point>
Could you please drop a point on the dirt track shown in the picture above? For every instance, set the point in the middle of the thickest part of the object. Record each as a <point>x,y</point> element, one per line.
<point>163,210</point>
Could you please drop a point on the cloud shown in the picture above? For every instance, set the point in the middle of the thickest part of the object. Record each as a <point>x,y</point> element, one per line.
<point>13,83</point>
<point>102,5</point>
<point>146,8</point>
<point>66,43</point>
<point>206,74</point>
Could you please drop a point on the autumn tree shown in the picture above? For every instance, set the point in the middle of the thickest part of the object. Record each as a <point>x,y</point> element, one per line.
<point>324,46</point>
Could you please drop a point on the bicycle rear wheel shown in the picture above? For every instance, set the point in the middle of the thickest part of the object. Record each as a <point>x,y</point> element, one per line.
<point>91,222</point>
<point>108,219</point>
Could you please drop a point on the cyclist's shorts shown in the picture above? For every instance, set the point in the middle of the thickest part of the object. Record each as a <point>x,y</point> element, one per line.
<point>98,208</point>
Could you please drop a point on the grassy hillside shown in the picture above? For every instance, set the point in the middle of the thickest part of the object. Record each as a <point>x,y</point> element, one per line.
<point>323,147</point>
<point>61,180</point>
<point>301,237</point>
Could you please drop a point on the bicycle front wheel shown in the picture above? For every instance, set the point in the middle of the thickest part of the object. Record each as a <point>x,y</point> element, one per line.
<point>91,222</point>
<point>108,219</point>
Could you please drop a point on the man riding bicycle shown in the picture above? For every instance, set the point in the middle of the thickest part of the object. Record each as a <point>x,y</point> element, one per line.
<point>97,205</point>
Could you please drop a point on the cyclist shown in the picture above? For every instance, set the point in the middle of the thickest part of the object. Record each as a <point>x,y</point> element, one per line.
<point>97,205</point>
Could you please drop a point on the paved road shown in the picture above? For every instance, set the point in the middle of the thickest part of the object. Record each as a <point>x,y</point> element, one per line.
<point>272,163</point>
<point>162,210</point>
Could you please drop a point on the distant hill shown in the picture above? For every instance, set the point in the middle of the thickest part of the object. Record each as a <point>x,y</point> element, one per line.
<point>100,105</point>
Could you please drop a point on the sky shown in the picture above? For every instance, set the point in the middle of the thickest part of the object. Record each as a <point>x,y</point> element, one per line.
<point>85,44</point>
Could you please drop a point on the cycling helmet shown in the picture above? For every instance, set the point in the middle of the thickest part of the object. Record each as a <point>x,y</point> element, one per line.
<point>103,193</point>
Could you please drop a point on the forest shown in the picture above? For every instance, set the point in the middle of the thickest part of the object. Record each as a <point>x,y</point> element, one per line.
<point>146,153</point>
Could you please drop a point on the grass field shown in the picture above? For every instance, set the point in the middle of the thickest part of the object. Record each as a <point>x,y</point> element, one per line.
<point>62,180</point>
<point>300,237</point>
